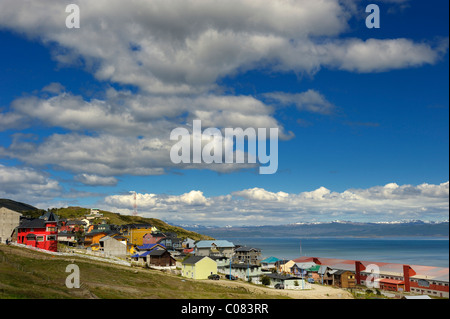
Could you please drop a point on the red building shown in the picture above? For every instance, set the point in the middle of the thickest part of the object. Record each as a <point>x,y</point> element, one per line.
<point>39,232</point>
<point>415,279</point>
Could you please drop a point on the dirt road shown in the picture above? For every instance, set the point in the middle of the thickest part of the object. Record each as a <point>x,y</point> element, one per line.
<point>316,291</point>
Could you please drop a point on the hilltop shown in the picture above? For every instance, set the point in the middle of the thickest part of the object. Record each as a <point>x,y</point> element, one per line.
<point>118,219</point>
<point>111,218</point>
<point>17,206</point>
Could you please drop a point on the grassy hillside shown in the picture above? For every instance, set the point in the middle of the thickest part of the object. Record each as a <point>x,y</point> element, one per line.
<point>118,219</point>
<point>26,274</point>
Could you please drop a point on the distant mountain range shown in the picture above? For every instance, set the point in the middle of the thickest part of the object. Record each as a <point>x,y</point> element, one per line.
<point>414,228</point>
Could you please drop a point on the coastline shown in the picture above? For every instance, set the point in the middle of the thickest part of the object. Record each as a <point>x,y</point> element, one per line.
<point>427,251</point>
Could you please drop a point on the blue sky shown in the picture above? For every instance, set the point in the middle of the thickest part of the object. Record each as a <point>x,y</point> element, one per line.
<point>86,114</point>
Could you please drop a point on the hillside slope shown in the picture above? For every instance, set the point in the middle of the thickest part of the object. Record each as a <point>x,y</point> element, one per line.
<point>27,274</point>
<point>118,219</point>
<point>16,206</point>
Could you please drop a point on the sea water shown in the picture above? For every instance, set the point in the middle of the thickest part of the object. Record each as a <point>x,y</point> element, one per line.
<point>414,251</point>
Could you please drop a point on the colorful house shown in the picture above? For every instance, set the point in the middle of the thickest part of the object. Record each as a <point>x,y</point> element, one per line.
<point>198,267</point>
<point>214,248</point>
<point>92,240</point>
<point>247,255</point>
<point>135,233</point>
<point>39,232</point>
<point>284,266</point>
<point>153,255</point>
<point>287,281</point>
<point>269,263</point>
<point>152,238</point>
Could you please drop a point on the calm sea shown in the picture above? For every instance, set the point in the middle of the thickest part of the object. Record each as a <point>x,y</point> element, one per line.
<point>423,251</point>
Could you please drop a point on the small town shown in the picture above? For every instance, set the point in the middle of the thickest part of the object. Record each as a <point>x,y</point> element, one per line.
<point>147,247</point>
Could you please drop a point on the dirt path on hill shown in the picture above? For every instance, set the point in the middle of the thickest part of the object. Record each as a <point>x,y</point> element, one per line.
<point>316,291</point>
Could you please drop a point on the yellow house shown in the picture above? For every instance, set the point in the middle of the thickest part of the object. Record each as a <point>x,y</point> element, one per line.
<point>198,267</point>
<point>134,233</point>
<point>284,266</point>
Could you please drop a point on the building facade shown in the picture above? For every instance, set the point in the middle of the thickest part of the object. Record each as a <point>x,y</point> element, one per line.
<point>9,220</point>
<point>39,232</point>
<point>214,248</point>
<point>198,267</point>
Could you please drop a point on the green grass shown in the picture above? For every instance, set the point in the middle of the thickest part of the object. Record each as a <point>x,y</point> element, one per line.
<point>26,274</point>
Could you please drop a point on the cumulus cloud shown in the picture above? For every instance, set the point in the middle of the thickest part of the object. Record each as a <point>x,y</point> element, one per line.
<point>95,180</point>
<point>127,133</point>
<point>18,183</point>
<point>260,206</point>
<point>180,46</point>
<point>173,53</point>
<point>260,194</point>
<point>311,101</point>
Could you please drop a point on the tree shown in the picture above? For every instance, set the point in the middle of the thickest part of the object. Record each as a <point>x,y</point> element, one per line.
<point>265,280</point>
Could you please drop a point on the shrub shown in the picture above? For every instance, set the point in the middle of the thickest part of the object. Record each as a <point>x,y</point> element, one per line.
<point>265,280</point>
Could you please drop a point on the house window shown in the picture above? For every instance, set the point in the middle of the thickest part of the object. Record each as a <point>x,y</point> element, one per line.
<point>39,238</point>
<point>51,229</point>
<point>51,237</point>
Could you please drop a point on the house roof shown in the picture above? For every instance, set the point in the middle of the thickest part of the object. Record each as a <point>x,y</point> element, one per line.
<point>246,249</point>
<point>109,237</point>
<point>193,260</point>
<point>218,243</point>
<point>76,222</point>
<point>314,268</point>
<point>323,269</point>
<point>50,217</point>
<point>243,266</point>
<point>270,260</point>
<point>65,234</point>
<point>340,272</point>
<point>391,281</point>
<point>214,257</point>
<point>282,277</point>
<point>32,223</point>
<point>150,246</point>
<point>306,265</point>
<point>93,233</point>
<point>157,252</point>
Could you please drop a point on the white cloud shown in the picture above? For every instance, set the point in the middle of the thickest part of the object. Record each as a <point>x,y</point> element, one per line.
<point>179,46</point>
<point>259,194</point>
<point>259,206</point>
<point>18,183</point>
<point>95,180</point>
<point>311,101</point>
<point>126,133</point>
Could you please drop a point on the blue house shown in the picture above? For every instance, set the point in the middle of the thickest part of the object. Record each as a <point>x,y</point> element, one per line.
<point>269,263</point>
